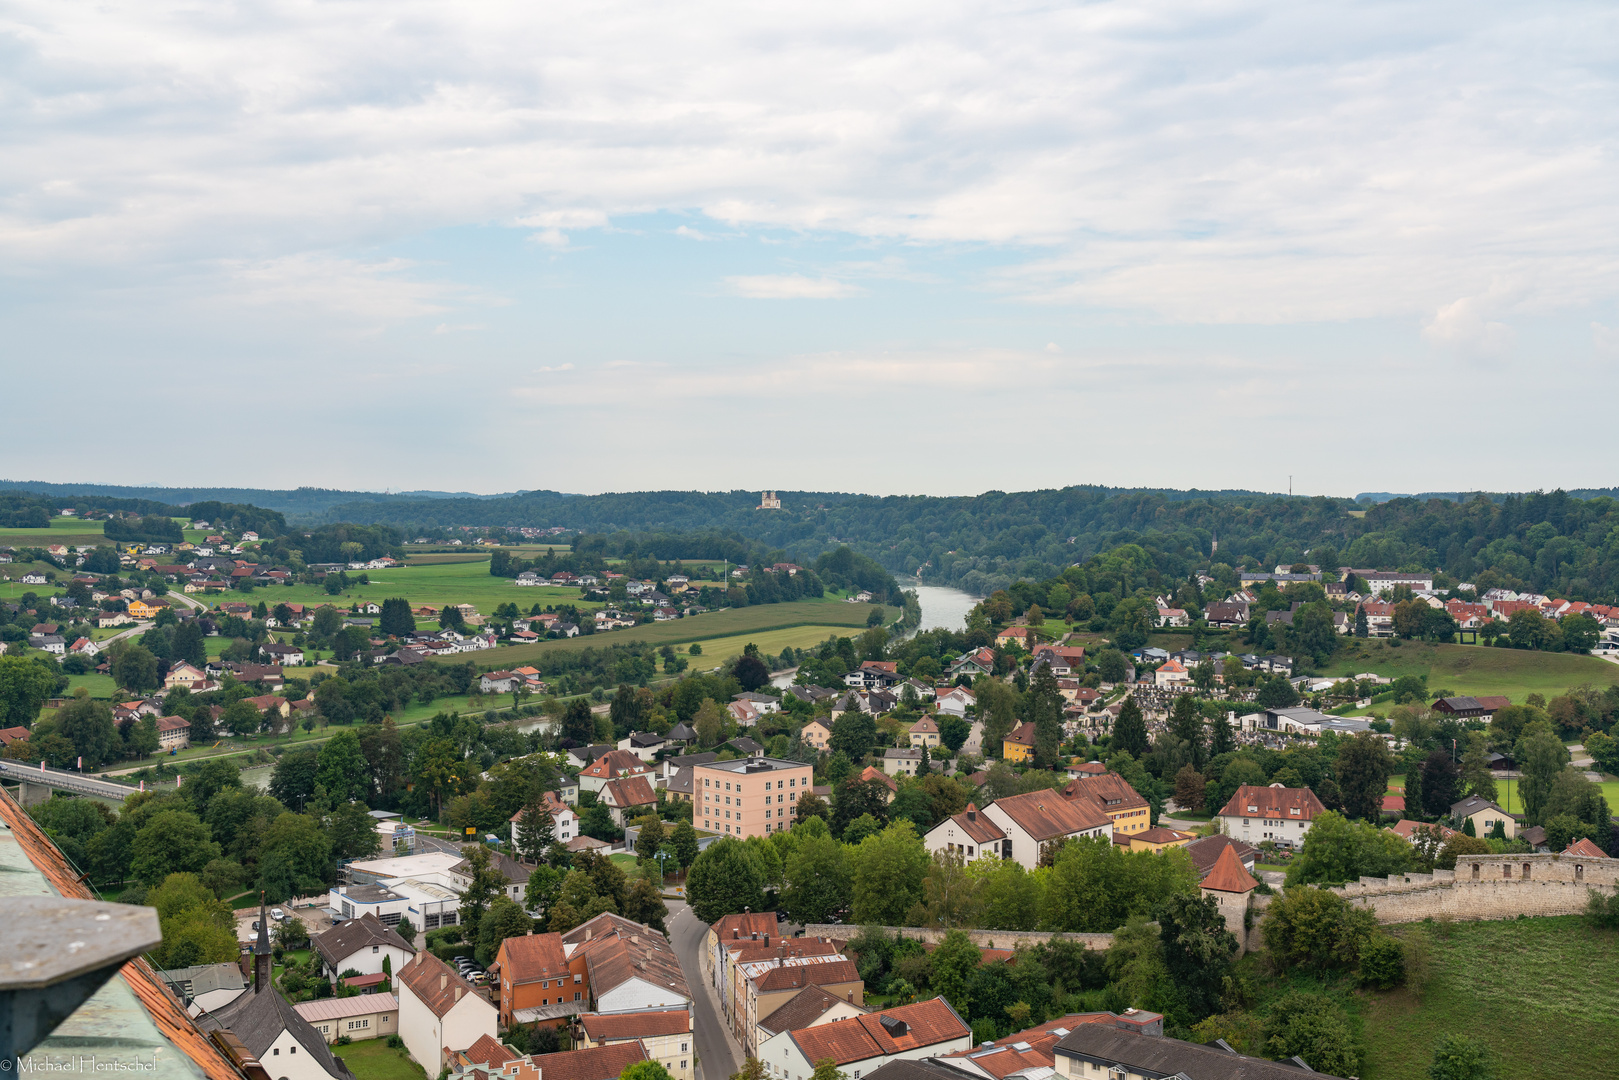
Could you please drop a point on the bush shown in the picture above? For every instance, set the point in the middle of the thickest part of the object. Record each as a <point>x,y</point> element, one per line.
<point>342,1040</point>
<point>1316,928</point>
<point>1602,912</point>
<point>1382,962</point>
<point>1312,1027</point>
<point>395,1042</point>
<point>1458,1057</point>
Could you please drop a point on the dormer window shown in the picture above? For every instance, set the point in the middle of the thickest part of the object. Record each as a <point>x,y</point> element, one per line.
<point>1253,809</point>
<point>1293,810</point>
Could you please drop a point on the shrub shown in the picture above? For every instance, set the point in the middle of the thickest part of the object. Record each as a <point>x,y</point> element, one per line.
<point>1316,928</point>
<point>1382,962</point>
<point>1601,911</point>
<point>1312,1027</point>
<point>1458,1057</point>
<point>395,1042</point>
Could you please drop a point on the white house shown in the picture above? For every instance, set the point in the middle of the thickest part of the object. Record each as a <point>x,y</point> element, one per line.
<point>968,834</point>
<point>631,967</point>
<point>361,945</point>
<point>1038,818</point>
<point>366,1016</point>
<point>564,821</point>
<point>956,701</point>
<point>273,1032</point>
<point>1282,814</point>
<point>440,1012</point>
<point>860,1044</point>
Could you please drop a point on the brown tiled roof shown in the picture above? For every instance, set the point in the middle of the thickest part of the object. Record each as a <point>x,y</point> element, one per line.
<point>640,1025</point>
<point>531,958</point>
<point>173,723</point>
<point>1029,1049</point>
<point>1585,849</point>
<point>1273,802</point>
<point>1228,875</point>
<point>490,1051</point>
<point>1107,790</point>
<point>1158,836</point>
<point>802,1010</point>
<point>749,951</point>
<point>1494,702</point>
<point>1205,851</point>
<point>629,791</point>
<point>1023,734</point>
<point>925,726</point>
<point>435,983</point>
<point>1407,828</point>
<point>596,1063</point>
<point>615,762</point>
<point>872,772</point>
<point>978,827</point>
<point>1045,815</point>
<point>617,950</point>
<point>829,973</point>
<point>343,941</point>
<point>927,1023</point>
<point>745,925</point>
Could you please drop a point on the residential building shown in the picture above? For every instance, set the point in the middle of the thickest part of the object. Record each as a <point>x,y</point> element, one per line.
<point>1171,673</point>
<point>901,762</point>
<point>564,820</point>
<point>173,733</point>
<point>1205,852</point>
<point>1154,840</point>
<point>611,765</point>
<point>628,798</point>
<point>1107,791</point>
<point>968,834</point>
<point>596,1063</point>
<point>439,1012</point>
<point>365,1016</point>
<point>1482,708</point>
<point>643,744</point>
<point>183,675</point>
<point>815,734</point>
<point>1033,820</point>
<point>781,980</point>
<point>810,1007</point>
<point>1103,1051</point>
<point>733,932</point>
<point>860,1045</point>
<point>275,1034</point>
<point>513,872</point>
<point>1282,814</point>
<point>534,976</point>
<point>956,701</point>
<point>871,772</point>
<point>1022,1055</point>
<point>1484,815</point>
<point>361,945</point>
<point>665,1036</point>
<point>925,732</point>
<point>629,967</point>
<point>750,796</point>
<point>1378,582</point>
<point>1018,746</point>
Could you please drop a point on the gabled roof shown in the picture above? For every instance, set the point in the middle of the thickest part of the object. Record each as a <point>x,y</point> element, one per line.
<point>1274,802</point>
<point>435,983</point>
<point>1046,815</point>
<point>629,791</point>
<point>259,1019</point>
<point>613,763</point>
<point>344,940</point>
<point>1472,805</point>
<point>1205,851</point>
<point>338,1008</point>
<point>871,772</point>
<point>1031,1049</point>
<point>1108,790</point>
<point>1407,828</point>
<point>830,973</point>
<point>1158,1055</point>
<point>978,828</point>
<point>596,1063</point>
<point>639,1025</point>
<point>489,1051</point>
<point>1585,849</point>
<point>802,1010</point>
<point>892,1031</point>
<point>617,950</point>
<point>536,956</point>
<point>1022,735</point>
<point>1228,875</point>
<point>746,926</point>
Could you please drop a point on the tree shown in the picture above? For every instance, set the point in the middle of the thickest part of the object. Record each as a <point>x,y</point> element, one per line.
<point>1363,769</point>
<point>578,725</point>
<point>817,875</point>
<point>87,724</point>
<point>751,672</point>
<point>504,919</point>
<point>725,879</point>
<point>1189,788</point>
<point>293,778</point>
<point>353,832</point>
<point>645,1070</point>
<point>886,873</point>
<point>134,668</point>
<point>341,768</point>
<point>396,620</point>
<point>1316,928</point>
<point>295,857</point>
<point>954,732</point>
<point>25,684</point>
<point>649,840</point>
<point>1337,849</point>
<point>1221,738</point>
<point>1312,1027</point>
<point>1198,950</point>
<point>1045,704</point>
<point>854,734</point>
<point>241,718</point>
<point>1186,724</point>
<point>171,842</point>
<point>1459,1057</point>
<point>1580,632</point>
<point>645,905</point>
<point>1540,758</point>
<point>684,841</point>
<point>954,962</point>
<point>1439,784</point>
<point>535,831</point>
<point>1476,777</point>
<point>196,925</point>
<point>950,894</point>
<point>484,884</point>
<point>143,738</point>
<point>1277,693</point>
<point>709,722</point>
<point>1130,730</point>
<point>1112,666</point>
<point>827,1069</point>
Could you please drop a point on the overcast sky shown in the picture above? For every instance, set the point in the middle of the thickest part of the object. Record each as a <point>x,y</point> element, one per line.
<point>896,247</point>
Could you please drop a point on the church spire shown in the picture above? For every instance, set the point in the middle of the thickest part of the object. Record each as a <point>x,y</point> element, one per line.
<point>261,951</point>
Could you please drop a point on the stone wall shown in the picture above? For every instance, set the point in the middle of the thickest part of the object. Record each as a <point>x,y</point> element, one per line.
<point>985,939</point>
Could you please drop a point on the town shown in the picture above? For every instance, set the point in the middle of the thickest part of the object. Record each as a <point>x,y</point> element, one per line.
<point>503,802</point>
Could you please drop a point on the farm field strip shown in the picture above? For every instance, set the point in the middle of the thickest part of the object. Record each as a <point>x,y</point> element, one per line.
<point>1477,669</point>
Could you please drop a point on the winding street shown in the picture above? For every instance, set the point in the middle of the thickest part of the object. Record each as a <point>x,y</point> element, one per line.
<point>718,1056</point>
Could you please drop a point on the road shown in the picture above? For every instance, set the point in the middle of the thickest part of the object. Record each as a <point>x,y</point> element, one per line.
<point>718,1055</point>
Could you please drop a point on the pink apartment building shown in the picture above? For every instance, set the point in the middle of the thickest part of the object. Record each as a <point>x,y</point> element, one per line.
<point>749,797</point>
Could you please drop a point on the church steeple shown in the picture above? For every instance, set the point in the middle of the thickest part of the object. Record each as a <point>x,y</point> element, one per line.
<point>261,951</point>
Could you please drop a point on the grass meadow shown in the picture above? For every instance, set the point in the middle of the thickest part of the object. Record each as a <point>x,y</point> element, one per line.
<point>1542,993</point>
<point>1476,669</point>
<point>373,1059</point>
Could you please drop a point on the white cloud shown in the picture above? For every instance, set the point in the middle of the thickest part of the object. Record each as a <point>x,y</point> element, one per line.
<point>352,288</point>
<point>1465,325</point>
<point>791,287</point>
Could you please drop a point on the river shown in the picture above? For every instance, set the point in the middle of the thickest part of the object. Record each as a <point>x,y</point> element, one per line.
<point>943,608</point>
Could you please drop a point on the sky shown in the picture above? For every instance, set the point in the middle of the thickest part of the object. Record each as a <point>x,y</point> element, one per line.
<point>894,248</point>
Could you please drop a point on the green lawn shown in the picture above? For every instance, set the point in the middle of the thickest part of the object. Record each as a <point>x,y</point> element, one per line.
<point>100,686</point>
<point>373,1059</point>
<point>1475,669</point>
<point>70,531</point>
<point>826,615</point>
<point>1506,791</point>
<point>771,642</point>
<point>1543,993</point>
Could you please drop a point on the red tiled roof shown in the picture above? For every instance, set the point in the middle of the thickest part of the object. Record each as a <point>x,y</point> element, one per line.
<point>746,925</point>
<point>1107,790</point>
<point>1407,828</point>
<point>873,773</point>
<point>1046,815</point>
<point>629,791</point>
<point>490,1051</point>
<point>615,762</point>
<point>435,983</point>
<point>978,828</point>
<point>531,958</point>
<point>829,973</point>
<point>640,1025</point>
<point>1585,849</point>
<point>1228,875</point>
<point>1003,1057</point>
<point>1273,802</point>
<point>927,1023</point>
<point>596,1063</point>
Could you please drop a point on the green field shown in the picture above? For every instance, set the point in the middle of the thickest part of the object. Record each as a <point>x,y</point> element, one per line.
<point>771,642</point>
<point>1542,993</point>
<point>827,616</point>
<point>1507,791</point>
<point>62,531</point>
<point>372,1059</point>
<point>459,582</point>
<point>1475,669</point>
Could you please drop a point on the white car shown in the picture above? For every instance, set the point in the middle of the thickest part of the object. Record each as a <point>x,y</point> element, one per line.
<point>277,914</point>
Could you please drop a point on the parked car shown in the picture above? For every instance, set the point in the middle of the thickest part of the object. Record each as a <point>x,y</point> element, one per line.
<point>277,914</point>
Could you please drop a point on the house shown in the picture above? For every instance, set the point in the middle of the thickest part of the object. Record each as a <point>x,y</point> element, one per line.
<point>729,935</point>
<point>751,796</point>
<point>277,653</point>
<point>1585,848</point>
<point>173,733</point>
<point>643,744</point>
<point>1379,618</point>
<point>1154,840</point>
<point>1037,818</point>
<point>862,1044</point>
<point>1170,616</point>
<point>54,644</point>
<point>183,675</point>
<point>206,987</point>
<point>33,578</point>
<point>1064,660</point>
<point>1483,708</point>
<point>366,1016</point>
<point>84,646</point>
<point>1484,815</point>
<point>144,609</point>
<point>564,821</point>
<point>956,701</point>
<point>815,734</point>
<point>439,1012</point>
<point>811,1006</point>
<point>901,762</point>
<point>770,981</point>
<point>596,1063</point>
<point>925,732</point>
<point>277,1036</point>
<point>871,772</point>
<point>1282,814</point>
<point>1171,673</point>
<point>611,765</point>
<point>1018,746</point>
<point>968,834</point>
<point>113,618</point>
<point>1109,793</point>
<point>1407,829</point>
<point>664,1035</point>
<point>762,703</point>
<point>743,713</point>
<point>1018,635</point>
<point>628,798</point>
<point>497,682</point>
<point>629,966</point>
<point>1378,582</point>
<point>515,874</point>
<point>1226,614</point>
<point>977,662</point>
<point>533,974</point>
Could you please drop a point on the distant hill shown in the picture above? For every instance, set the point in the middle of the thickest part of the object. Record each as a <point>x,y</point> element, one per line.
<point>303,502</point>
